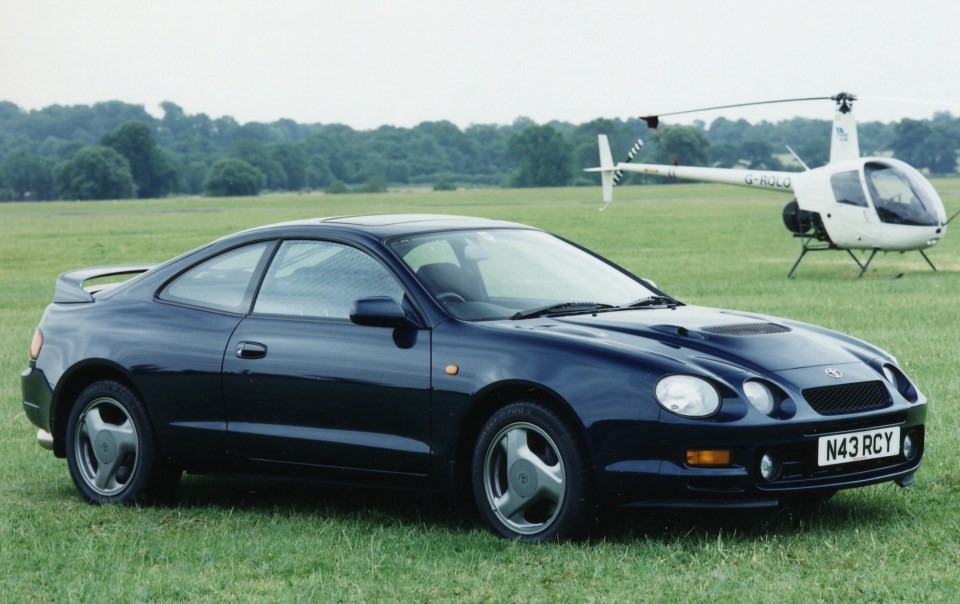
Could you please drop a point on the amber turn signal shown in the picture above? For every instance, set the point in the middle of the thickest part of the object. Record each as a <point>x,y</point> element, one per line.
<point>708,457</point>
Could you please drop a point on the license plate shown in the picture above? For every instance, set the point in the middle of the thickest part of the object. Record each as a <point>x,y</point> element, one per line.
<point>858,446</point>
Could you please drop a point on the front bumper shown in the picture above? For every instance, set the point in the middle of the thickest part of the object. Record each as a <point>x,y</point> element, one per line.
<point>668,481</point>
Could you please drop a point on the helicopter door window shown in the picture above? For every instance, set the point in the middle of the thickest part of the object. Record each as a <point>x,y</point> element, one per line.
<point>896,199</point>
<point>848,189</point>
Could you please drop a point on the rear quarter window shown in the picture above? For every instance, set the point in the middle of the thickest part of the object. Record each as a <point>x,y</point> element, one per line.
<point>224,282</point>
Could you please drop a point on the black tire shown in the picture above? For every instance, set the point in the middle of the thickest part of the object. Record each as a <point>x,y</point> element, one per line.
<point>111,449</point>
<point>530,475</point>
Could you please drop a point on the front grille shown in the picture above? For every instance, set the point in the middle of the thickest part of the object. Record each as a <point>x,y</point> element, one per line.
<point>746,329</point>
<point>848,398</point>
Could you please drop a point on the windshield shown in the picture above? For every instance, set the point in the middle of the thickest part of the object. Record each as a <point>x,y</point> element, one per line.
<point>498,273</point>
<point>900,197</point>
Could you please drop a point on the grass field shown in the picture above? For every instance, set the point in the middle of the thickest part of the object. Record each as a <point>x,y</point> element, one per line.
<point>230,540</point>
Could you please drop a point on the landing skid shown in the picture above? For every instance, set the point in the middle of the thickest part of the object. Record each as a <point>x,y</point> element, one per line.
<point>811,244</point>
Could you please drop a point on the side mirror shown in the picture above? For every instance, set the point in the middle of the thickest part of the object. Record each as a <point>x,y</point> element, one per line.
<point>379,311</point>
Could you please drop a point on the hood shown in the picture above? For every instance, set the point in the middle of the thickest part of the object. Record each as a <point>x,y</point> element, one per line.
<point>756,342</point>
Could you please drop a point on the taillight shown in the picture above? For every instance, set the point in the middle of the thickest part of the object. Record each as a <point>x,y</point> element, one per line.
<point>36,345</point>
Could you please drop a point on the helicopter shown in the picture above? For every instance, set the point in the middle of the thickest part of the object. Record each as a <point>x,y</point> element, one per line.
<point>851,203</point>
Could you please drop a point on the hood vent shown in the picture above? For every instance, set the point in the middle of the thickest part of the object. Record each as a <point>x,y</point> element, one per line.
<point>746,329</point>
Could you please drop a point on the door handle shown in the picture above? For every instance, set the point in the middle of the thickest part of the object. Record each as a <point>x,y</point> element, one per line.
<point>251,350</point>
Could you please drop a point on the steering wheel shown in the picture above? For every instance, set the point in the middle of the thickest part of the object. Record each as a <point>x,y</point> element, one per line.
<point>447,297</point>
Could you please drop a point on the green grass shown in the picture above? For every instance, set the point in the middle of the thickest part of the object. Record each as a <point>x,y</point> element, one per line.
<point>241,540</point>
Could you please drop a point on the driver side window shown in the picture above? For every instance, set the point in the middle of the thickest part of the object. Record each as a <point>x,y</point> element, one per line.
<point>310,278</point>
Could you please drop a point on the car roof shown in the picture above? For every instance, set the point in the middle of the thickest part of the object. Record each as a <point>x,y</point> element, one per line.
<point>388,225</point>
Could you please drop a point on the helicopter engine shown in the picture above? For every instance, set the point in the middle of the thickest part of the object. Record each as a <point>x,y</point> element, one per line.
<point>801,222</point>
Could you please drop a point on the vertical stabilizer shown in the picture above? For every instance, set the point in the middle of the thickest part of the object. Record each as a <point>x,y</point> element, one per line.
<point>606,168</point>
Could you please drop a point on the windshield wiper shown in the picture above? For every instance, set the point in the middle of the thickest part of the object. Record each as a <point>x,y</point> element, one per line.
<point>563,307</point>
<point>653,301</point>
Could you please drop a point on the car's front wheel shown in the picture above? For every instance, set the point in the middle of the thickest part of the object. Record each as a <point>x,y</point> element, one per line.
<point>530,475</point>
<point>111,451</point>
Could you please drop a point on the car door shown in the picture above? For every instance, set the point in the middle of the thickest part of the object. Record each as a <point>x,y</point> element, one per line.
<point>304,385</point>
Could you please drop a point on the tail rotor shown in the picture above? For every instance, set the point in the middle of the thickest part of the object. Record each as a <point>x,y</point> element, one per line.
<point>610,175</point>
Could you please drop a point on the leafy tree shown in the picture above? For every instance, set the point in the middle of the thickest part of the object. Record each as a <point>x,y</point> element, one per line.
<point>683,144</point>
<point>193,176</point>
<point>374,185</point>
<point>337,187</point>
<point>909,140</point>
<point>292,160</point>
<point>814,153</point>
<point>149,166</point>
<point>232,177</point>
<point>723,130</point>
<point>941,152</point>
<point>295,156</point>
<point>759,156</point>
<point>725,155</point>
<point>258,154</point>
<point>27,177</point>
<point>543,155</point>
<point>94,173</point>
<point>918,144</point>
<point>875,137</point>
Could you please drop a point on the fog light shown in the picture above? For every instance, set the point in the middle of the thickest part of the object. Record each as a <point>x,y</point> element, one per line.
<point>909,447</point>
<point>770,467</point>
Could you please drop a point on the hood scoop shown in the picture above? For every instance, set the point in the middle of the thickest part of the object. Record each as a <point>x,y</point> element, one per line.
<point>746,329</point>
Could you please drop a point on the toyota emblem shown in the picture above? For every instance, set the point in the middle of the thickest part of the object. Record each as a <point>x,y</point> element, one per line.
<point>834,373</point>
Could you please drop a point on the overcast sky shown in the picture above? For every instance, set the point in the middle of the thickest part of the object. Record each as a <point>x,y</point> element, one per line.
<point>367,63</point>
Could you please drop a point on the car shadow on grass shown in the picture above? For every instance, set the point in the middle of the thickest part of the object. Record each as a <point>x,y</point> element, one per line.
<point>873,506</point>
<point>355,503</point>
<point>857,509</point>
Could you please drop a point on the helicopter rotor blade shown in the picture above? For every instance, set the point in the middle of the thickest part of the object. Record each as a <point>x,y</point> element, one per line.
<point>654,120</point>
<point>955,214</point>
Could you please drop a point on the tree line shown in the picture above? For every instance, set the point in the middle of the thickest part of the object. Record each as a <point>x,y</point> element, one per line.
<point>115,150</point>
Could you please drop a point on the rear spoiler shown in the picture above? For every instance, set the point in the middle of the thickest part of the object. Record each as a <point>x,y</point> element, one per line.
<point>70,290</point>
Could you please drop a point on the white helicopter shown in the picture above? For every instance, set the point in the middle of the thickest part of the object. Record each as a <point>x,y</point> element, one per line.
<point>851,203</point>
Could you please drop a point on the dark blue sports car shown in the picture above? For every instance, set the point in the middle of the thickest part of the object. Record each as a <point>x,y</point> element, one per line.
<point>440,352</point>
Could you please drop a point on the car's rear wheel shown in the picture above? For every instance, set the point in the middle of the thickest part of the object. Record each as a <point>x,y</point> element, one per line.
<point>530,475</point>
<point>111,450</point>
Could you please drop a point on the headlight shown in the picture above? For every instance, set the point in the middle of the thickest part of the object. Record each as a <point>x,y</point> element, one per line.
<point>760,397</point>
<point>687,395</point>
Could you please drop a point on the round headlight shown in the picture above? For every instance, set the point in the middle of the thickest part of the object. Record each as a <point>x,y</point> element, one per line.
<point>687,395</point>
<point>760,397</point>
